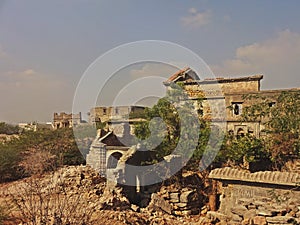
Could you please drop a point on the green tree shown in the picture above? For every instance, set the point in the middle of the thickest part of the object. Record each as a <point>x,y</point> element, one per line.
<point>281,118</point>
<point>173,124</point>
<point>36,152</point>
<point>8,128</point>
<point>242,150</point>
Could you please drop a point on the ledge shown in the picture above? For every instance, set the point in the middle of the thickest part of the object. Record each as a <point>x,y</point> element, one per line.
<point>264,177</point>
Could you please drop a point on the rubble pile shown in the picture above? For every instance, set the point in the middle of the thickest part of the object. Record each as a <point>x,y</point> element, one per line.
<point>248,212</point>
<point>179,202</point>
<point>89,199</point>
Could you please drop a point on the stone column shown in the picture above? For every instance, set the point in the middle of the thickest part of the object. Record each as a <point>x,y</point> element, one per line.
<point>96,157</point>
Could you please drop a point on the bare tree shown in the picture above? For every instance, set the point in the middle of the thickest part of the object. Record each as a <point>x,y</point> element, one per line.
<point>55,199</point>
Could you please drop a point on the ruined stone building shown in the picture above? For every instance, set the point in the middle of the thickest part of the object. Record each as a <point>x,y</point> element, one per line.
<point>64,120</point>
<point>119,119</point>
<point>230,91</point>
<point>105,114</point>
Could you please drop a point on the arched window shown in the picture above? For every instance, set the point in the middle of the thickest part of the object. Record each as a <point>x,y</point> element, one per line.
<point>240,132</point>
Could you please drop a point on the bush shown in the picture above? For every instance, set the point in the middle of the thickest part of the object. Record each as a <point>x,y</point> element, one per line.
<point>37,152</point>
<point>8,129</point>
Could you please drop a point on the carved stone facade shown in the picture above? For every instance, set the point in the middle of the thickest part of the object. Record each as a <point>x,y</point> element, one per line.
<point>64,120</point>
<point>228,92</point>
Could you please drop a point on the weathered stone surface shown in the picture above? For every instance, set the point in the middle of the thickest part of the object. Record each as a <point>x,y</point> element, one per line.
<point>239,210</point>
<point>135,207</point>
<point>216,216</point>
<point>246,222</point>
<point>159,202</point>
<point>236,218</point>
<point>244,201</point>
<point>279,219</point>
<point>259,220</point>
<point>250,214</point>
<point>268,177</point>
<point>264,212</point>
<point>174,197</point>
<point>182,204</point>
<point>187,196</point>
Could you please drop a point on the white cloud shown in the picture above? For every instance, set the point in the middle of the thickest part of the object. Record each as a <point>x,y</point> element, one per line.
<point>29,72</point>
<point>196,19</point>
<point>22,76</point>
<point>278,58</point>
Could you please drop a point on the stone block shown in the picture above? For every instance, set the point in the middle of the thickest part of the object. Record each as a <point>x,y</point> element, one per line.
<point>246,222</point>
<point>216,216</point>
<point>187,196</point>
<point>181,204</point>
<point>259,220</point>
<point>250,214</point>
<point>161,203</point>
<point>279,219</point>
<point>174,197</point>
<point>264,212</point>
<point>236,218</point>
<point>239,210</point>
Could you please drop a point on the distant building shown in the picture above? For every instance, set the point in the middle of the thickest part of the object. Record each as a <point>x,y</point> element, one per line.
<point>119,119</point>
<point>34,126</point>
<point>105,114</point>
<point>64,120</point>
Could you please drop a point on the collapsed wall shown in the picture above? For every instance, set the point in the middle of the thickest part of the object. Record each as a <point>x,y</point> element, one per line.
<point>257,198</point>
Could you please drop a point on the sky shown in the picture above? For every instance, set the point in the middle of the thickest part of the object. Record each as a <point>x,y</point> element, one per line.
<point>46,46</point>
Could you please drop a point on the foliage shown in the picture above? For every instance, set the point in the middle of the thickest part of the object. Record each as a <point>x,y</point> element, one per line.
<point>52,201</point>
<point>241,150</point>
<point>281,118</point>
<point>38,151</point>
<point>101,125</point>
<point>172,126</point>
<point>278,114</point>
<point>8,128</point>
<point>137,115</point>
<point>9,158</point>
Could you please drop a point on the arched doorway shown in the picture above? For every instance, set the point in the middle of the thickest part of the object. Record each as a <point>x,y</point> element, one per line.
<point>113,160</point>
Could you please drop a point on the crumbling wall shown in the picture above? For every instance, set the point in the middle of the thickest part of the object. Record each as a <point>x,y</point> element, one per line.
<point>257,198</point>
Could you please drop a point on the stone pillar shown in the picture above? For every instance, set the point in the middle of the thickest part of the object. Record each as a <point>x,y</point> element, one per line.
<point>212,198</point>
<point>96,157</point>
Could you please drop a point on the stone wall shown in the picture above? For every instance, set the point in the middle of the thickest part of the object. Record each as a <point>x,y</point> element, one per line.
<point>257,198</point>
<point>104,114</point>
<point>182,198</point>
<point>180,202</point>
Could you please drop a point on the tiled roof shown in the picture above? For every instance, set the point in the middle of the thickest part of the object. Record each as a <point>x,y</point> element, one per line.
<point>266,177</point>
<point>178,74</point>
<point>109,138</point>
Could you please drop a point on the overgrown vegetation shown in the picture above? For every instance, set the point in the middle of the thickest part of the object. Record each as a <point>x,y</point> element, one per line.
<point>173,124</point>
<point>38,151</point>
<point>281,118</point>
<point>8,128</point>
<point>52,200</point>
<point>279,114</point>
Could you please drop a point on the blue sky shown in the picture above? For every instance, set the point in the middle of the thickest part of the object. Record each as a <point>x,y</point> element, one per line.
<point>45,47</point>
